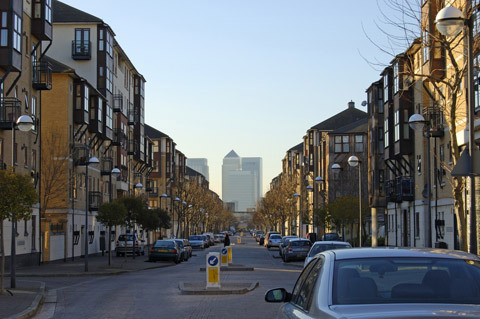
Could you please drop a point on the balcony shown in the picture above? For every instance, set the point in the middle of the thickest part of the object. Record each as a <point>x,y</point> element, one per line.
<point>94,200</point>
<point>119,137</point>
<point>106,165</point>
<point>400,189</point>
<point>81,50</point>
<point>118,103</point>
<point>132,147</point>
<point>9,112</point>
<point>132,116</point>
<point>80,154</point>
<point>42,76</point>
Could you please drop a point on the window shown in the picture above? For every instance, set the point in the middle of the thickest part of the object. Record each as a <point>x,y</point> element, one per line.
<point>426,49</point>
<point>34,160</point>
<point>419,164</point>
<point>3,29</point>
<point>359,143</point>
<point>342,144</point>
<point>34,112</point>
<point>385,88</point>
<point>380,100</point>
<point>82,41</point>
<point>25,155</point>
<point>386,141</point>
<point>396,84</point>
<point>397,126</point>
<point>381,140</point>
<point>302,292</point>
<point>406,127</point>
<point>381,182</point>
<point>17,33</point>
<point>417,224</point>
<point>109,116</point>
<point>86,95</point>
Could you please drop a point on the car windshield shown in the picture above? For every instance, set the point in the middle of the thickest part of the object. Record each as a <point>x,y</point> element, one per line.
<point>318,248</point>
<point>164,243</point>
<point>125,238</point>
<point>406,280</point>
<point>179,243</point>
<point>275,237</point>
<point>195,238</point>
<point>299,243</point>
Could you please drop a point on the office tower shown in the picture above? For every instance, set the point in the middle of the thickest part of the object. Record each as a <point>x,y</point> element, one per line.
<point>200,165</point>
<point>241,181</point>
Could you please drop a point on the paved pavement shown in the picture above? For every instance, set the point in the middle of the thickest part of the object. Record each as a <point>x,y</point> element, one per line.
<point>24,300</point>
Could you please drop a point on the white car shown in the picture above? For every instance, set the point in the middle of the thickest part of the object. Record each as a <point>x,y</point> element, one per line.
<point>320,246</point>
<point>379,283</point>
<point>273,241</point>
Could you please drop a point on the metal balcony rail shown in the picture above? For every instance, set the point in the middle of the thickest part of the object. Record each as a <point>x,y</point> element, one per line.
<point>42,75</point>
<point>9,112</point>
<point>81,50</point>
<point>95,200</point>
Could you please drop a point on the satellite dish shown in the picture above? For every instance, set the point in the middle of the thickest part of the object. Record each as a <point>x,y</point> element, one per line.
<point>364,103</point>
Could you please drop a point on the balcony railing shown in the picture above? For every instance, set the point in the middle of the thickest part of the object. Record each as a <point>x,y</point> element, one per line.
<point>106,165</point>
<point>80,154</point>
<point>152,192</point>
<point>132,147</point>
<point>119,137</point>
<point>9,112</point>
<point>94,200</point>
<point>132,116</point>
<point>81,50</point>
<point>42,75</point>
<point>400,189</point>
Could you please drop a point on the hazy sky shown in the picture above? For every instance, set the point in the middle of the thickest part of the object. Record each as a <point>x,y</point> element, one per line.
<point>247,75</point>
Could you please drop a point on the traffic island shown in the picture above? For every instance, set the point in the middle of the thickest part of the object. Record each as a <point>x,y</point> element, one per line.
<point>226,288</point>
<point>233,267</point>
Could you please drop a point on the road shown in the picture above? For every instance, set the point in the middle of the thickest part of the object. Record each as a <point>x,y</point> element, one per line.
<point>155,293</point>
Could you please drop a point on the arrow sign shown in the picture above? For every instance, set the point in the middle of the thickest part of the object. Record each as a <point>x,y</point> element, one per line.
<point>224,251</point>
<point>212,260</point>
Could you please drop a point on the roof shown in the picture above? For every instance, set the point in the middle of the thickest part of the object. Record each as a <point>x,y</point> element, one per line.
<point>347,116</point>
<point>401,252</point>
<point>65,13</point>
<point>58,67</point>
<point>154,133</point>
<point>298,148</point>
<point>232,154</point>
<point>360,126</point>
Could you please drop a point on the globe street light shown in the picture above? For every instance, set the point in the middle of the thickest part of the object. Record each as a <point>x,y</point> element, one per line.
<point>450,21</point>
<point>354,161</point>
<point>91,161</point>
<point>24,123</point>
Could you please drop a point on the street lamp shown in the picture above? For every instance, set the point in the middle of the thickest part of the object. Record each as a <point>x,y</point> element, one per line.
<point>294,221</point>
<point>449,22</point>
<point>353,161</point>
<point>336,168</point>
<point>319,180</point>
<point>417,123</point>
<point>24,123</point>
<point>91,161</point>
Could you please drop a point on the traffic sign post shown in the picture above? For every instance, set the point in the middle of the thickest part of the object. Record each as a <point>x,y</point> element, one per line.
<point>239,240</point>
<point>229,248</point>
<point>224,257</point>
<point>213,270</point>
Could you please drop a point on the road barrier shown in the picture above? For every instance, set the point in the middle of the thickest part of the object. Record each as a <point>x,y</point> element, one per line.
<point>213,270</point>
<point>224,257</point>
<point>229,248</point>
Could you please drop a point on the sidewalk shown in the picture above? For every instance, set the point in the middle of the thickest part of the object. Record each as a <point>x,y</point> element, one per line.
<point>24,300</point>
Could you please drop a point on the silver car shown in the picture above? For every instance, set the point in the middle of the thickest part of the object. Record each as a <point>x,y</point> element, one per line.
<point>273,241</point>
<point>373,283</point>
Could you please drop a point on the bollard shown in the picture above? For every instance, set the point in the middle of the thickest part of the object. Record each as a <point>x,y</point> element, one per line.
<point>229,248</point>
<point>213,270</point>
<point>224,256</point>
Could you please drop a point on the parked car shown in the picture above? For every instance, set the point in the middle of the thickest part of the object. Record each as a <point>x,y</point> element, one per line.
<point>384,283</point>
<point>197,241</point>
<point>219,238</point>
<point>206,241</point>
<point>320,246</point>
<point>331,237</point>
<point>273,241</point>
<point>296,249</point>
<point>165,250</point>
<point>125,245</point>
<point>185,248</point>
<point>261,239</point>
<point>284,242</point>
<point>268,235</point>
<point>210,238</point>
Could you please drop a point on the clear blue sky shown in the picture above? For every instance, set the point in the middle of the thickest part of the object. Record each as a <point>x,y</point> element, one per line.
<point>247,75</point>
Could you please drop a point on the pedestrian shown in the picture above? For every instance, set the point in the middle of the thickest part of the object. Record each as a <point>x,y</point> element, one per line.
<point>226,242</point>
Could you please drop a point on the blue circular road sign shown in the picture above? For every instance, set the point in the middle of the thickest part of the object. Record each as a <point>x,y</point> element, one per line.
<point>224,251</point>
<point>212,260</point>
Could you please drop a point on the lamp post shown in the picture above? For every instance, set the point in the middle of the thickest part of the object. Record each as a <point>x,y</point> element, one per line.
<point>309,189</point>
<point>354,161</point>
<point>450,21</point>
<point>113,174</point>
<point>91,161</point>
<point>137,186</point>
<point>319,180</point>
<point>417,123</point>
<point>24,123</point>
<point>336,168</point>
<point>177,200</point>
<point>296,196</point>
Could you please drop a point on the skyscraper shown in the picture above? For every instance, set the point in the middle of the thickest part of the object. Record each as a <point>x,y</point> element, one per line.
<point>241,181</point>
<point>200,165</point>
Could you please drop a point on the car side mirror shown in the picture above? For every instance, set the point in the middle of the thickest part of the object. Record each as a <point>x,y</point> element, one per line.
<point>277,295</point>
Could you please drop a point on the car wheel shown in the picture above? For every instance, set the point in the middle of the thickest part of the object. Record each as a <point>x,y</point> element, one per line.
<point>177,260</point>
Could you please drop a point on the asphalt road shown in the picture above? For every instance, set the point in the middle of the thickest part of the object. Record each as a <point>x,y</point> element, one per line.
<point>155,293</point>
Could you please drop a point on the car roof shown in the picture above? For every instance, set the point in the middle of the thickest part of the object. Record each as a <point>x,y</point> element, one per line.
<point>400,252</point>
<point>330,242</point>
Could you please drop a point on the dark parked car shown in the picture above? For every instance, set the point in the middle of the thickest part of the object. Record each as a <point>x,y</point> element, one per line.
<point>126,243</point>
<point>185,248</point>
<point>284,242</point>
<point>197,241</point>
<point>165,250</point>
<point>261,239</point>
<point>331,236</point>
<point>320,246</point>
<point>296,249</point>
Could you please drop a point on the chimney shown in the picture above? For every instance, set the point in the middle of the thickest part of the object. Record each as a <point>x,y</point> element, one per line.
<point>351,105</point>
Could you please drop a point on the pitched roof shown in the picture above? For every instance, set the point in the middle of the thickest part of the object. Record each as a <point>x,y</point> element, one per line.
<point>64,13</point>
<point>232,154</point>
<point>153,133</point>
<point>191,172</point>
<point>298,148</point>
<point>359,126</point>
<point>58,67</point>
<point>347,116</point>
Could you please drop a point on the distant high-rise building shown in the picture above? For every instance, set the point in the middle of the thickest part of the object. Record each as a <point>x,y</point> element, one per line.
<point>241,181</point>
<point>200,165</point>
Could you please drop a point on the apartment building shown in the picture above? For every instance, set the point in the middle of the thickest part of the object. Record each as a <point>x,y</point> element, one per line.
<point>25,37</point>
